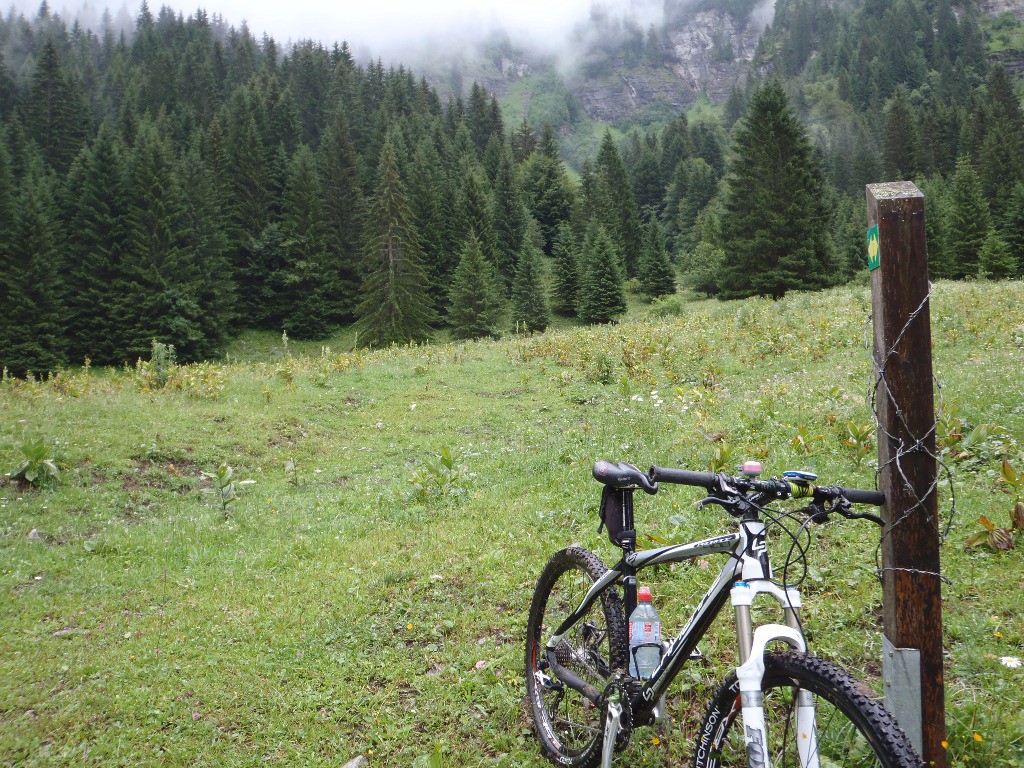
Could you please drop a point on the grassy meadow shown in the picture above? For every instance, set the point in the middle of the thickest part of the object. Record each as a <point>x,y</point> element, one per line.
<point>366,594</point>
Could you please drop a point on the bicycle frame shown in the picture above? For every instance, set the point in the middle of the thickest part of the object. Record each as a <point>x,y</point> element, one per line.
<point>744,576</point>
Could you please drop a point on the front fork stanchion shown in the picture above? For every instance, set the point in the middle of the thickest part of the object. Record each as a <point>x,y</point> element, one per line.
<point>751,674</point>
<point>612,726</point>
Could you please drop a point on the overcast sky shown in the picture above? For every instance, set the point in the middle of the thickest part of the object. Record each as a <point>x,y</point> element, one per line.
<point>383,27</point>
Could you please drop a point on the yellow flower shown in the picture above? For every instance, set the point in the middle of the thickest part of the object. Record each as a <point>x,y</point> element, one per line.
<point>998,634</point>
<point>945,745</point>
<point>977,737</point>
<point>655,740</point>
<point>408,626</point>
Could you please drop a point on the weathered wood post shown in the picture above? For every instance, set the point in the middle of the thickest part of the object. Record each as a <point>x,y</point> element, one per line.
<point>905,409</point>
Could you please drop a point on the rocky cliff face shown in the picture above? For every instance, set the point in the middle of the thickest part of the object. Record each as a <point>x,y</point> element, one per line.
<point>711,53</point>
<point>708,54</point>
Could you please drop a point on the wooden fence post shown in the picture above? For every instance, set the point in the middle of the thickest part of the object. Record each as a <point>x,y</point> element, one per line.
<point>905,409</point>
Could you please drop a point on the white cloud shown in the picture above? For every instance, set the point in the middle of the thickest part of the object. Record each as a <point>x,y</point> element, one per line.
<point>385,29</point>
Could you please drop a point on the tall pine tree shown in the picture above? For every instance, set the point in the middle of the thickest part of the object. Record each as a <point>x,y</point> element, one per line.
<point>33,319</point>
<point>775,231</point>
<point>476,298</point>
<point>396,305</point>
<point>657,278</point>
<point>601,298</point>
<point>96,206</point>
<point>529,299</point>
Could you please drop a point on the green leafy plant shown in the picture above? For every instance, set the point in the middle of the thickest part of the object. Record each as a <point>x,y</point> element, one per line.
<point>441,474</point>
<point>804,440</point>
<point>434,760</point>
<point>722,458</point>
<point>860,440</point>
<point>225,487</point>
<point>38,468</point>
<point>292,474</point>
<point>153,374</point>
<point>1002,539</point>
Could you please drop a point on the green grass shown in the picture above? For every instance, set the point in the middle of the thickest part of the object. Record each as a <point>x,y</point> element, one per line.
<point>1004,32</point>
<point>338,609</point>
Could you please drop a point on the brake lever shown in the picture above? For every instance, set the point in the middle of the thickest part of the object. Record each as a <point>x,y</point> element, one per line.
<point>842,506</point>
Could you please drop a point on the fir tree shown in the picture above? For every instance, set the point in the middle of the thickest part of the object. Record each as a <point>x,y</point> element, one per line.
<point>565,286</point>
<point>549,195</point>
<point>601,295</point>
<point>315,296</point>
<point>159,285</point>
<point>902,156</point>
<point>206,238</point>
<point>508,216</point>
<point>657,278</point>
<point>476,303</point>
<point>523,141</point>
<point>775,230</point>
<point>340,181</point>
<point>95,210</point>
<point>529,300</point>
<point>1013,225</point>
<point>995,260</point>
<point>430,203</point>
<point>969,221</point>
<point>396,306</point>
<point>55,115</point>
<point>617,209</point>
<point>33,319</point>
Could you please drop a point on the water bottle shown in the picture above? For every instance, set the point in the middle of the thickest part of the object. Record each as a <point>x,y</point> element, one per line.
<point>644,637</point>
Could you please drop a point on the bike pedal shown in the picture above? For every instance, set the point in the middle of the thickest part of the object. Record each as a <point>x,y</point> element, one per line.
<point>696,655</point>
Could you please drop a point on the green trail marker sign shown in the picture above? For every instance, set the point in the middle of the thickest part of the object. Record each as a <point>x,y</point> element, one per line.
<point>874,249</point>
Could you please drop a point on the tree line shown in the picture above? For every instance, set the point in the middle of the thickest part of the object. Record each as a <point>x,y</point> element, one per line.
<point>184,181</point>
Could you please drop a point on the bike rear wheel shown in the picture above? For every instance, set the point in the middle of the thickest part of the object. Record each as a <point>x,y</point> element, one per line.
<point>853,728</point>
<point>569,726</point>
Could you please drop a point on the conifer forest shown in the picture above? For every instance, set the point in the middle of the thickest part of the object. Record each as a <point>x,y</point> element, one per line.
<point>184,179</point>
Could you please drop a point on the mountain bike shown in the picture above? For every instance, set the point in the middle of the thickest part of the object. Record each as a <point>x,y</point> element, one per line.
<point>779,708</point>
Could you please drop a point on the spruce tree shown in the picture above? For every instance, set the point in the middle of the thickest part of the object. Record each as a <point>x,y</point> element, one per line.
<point>775,231</point>
<point>476,301</point>
<point>160,281</point>
<point>396,306</point>
<point>565,284</point>
<point>902,154</point>
<point>969,221</point>
<point>995,260</point>
<point>343,200</point>
<point>206,239</point>
<point>657,278</point>
<point>54,114</point>
<point>602,297</point>
<point>1012,229</point>
<point>429,201</point>
<point>508,216</point>
<point>617,208</point>
<point>549,195</point>
<point>315,295</point>
<point>33,320</point>
<point>95,211</point>
<point>529,300</point>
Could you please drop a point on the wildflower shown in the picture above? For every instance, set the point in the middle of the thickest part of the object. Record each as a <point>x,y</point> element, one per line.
<point>1013,662</point>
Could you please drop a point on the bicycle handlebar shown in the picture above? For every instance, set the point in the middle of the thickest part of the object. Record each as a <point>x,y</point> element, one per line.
<point>779,488</point>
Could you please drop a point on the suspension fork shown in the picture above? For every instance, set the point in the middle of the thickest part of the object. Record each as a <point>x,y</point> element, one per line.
<point>750,673</point>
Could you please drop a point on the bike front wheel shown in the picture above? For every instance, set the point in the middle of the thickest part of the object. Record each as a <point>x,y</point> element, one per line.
<point>570,727</point>
<point>851,726</point>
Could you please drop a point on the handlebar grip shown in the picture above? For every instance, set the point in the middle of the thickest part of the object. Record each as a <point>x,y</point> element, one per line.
<point>864,497</point>
<point>683,477</point>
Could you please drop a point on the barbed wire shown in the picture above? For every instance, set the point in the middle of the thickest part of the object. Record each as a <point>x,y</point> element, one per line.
<point>908,443</point>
